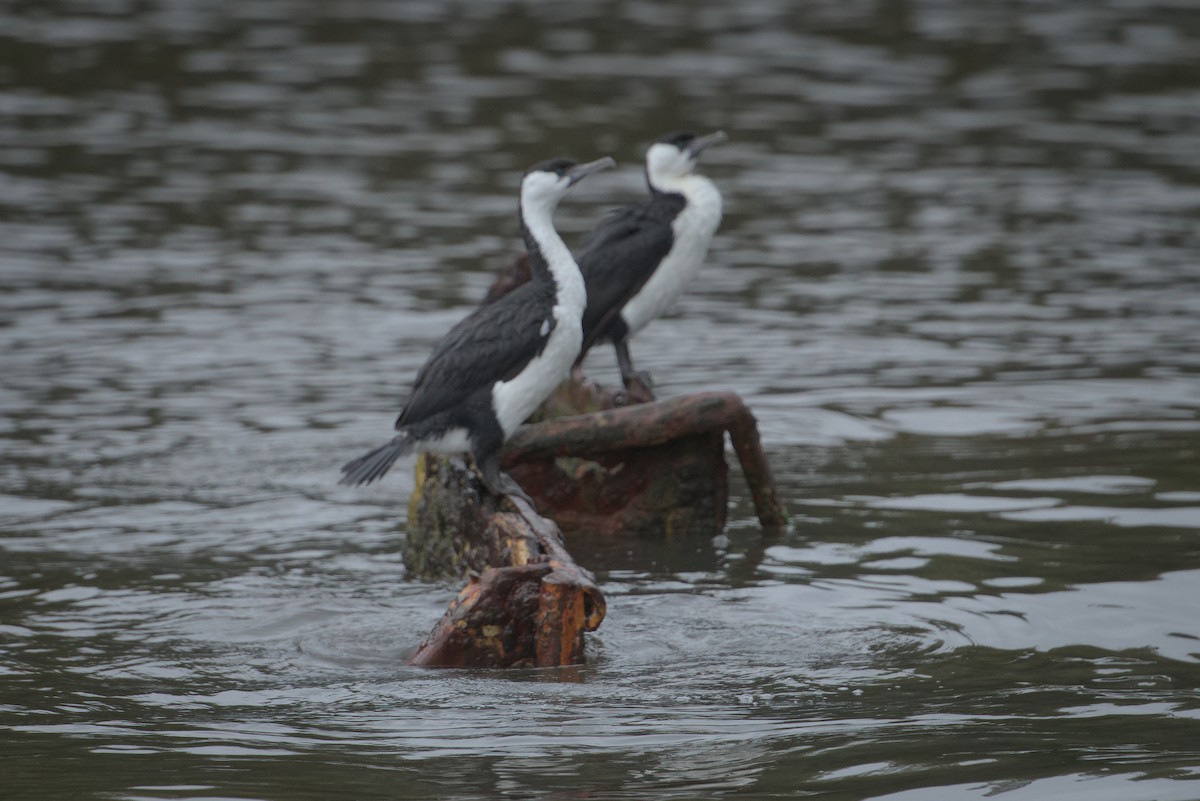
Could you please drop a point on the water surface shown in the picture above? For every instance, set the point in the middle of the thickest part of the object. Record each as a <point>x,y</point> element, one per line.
<point>956,281</point>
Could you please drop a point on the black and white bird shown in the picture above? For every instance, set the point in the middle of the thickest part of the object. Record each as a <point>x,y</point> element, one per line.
<point>638,261</point>
<point>493,369</point>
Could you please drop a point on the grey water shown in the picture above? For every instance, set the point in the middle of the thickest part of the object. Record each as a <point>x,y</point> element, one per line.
<point>958,282</point>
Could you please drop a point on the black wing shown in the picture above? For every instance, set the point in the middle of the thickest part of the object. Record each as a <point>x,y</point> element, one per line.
<point>491,344</point>
<point>620,255</point>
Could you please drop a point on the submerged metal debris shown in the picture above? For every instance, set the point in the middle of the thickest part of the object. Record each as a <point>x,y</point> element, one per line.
<point>645,468</point>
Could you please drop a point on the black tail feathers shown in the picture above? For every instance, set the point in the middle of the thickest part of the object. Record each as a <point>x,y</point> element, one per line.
<point>373,465</point>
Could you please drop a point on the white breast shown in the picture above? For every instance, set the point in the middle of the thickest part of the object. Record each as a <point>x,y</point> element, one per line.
<point>516,399</point>
<point>693,230</point>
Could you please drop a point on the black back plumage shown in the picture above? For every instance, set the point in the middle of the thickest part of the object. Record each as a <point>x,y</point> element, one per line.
<point>493,343</point>
<point>618,258</point>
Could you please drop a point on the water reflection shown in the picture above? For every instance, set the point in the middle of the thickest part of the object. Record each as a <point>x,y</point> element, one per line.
<point>955,282</point>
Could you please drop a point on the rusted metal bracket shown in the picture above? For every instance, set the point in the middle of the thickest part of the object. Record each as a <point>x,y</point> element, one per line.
<point>648,425</point>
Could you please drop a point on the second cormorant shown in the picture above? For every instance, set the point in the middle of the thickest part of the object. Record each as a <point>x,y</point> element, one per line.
<point>639,261</point>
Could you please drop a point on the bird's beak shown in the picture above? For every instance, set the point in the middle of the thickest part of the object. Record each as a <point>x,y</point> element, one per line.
<point>581,171</point>
<point>699,144</point>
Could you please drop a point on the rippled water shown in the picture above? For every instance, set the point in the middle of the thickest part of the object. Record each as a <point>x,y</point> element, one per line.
<point>957,282</point>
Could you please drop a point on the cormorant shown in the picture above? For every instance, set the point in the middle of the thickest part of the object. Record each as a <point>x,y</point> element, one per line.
<point>638,261</point>
<point>493,369</point>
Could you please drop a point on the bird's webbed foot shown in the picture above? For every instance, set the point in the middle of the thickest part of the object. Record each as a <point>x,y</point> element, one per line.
<point>500,483</point>
<point>639,387</point>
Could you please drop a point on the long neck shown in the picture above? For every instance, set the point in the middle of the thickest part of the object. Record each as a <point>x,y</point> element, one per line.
<point>549,257</point>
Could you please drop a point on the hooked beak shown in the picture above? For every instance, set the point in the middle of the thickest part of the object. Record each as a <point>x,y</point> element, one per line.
<point>581,171</point>
<point>699,144</point>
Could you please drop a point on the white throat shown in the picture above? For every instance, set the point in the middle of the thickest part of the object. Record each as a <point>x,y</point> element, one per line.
<point>693,186</point>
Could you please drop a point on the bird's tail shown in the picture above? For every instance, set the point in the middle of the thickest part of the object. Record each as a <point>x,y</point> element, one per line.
<point>373,465</point>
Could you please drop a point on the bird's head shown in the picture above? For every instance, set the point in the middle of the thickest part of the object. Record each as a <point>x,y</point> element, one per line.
<point>548,182</point>
<point>675,156</point>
